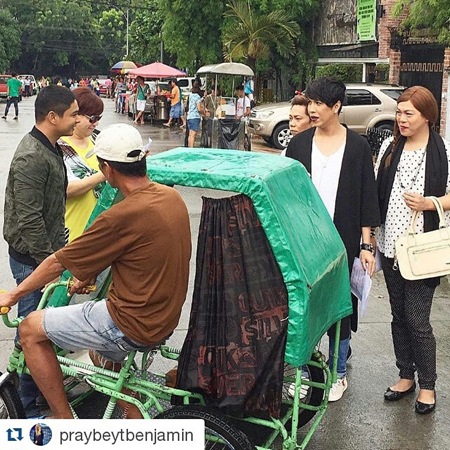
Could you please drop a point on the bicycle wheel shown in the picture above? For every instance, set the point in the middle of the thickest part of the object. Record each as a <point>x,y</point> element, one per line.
<point>10,404</point>
<point>309,395</point>
<point>219,434</point>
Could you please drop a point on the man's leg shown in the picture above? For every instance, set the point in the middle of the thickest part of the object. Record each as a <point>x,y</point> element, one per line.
<point>43,365</point>
<point>130,411</point>
<point>8,104</point>
<point>28,391</point>
<point>16,105</point>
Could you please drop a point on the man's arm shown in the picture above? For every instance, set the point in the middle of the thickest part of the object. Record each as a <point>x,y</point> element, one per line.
<point>30,177</point>
<point>47,271</point>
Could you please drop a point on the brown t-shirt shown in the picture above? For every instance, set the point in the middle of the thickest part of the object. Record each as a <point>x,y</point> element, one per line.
<point>146,240</point>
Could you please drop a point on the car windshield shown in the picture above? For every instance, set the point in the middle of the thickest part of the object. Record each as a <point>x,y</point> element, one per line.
<point>393,93</point>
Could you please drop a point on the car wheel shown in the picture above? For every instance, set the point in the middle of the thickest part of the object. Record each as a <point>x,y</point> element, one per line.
<point>281,136</point>
<point>385,126</point>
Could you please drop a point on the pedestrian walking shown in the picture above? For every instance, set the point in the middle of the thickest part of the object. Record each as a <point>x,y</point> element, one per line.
<point>13,86</point>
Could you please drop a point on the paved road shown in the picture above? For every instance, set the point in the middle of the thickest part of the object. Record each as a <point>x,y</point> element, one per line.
<point>361,420</point>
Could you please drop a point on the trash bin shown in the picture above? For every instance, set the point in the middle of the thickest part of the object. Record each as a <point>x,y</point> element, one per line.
<point>228,134</point>
<point>161,110</point>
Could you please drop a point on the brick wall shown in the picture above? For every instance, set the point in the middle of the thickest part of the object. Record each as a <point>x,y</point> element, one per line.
<point>444,99</point>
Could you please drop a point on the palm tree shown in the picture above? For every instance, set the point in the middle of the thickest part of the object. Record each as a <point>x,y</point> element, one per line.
<point>251,35</point>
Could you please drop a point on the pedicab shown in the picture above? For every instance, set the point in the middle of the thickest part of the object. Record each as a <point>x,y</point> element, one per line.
<point>224,130</point>
<point>290,290</point>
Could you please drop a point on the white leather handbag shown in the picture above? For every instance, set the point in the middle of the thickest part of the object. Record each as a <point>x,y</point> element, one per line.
<point>424,255</point>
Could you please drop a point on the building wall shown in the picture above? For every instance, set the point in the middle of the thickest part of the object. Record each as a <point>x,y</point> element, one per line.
<point>336,23</point>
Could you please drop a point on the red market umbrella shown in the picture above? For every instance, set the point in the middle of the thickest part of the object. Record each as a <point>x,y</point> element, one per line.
<point>157,70</point>
<point>122,67</point>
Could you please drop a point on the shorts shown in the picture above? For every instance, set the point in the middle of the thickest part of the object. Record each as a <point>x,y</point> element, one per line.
<point>88,326</point>
<point>193,124</point>
<point>175,111</point>
<point>140,105</point>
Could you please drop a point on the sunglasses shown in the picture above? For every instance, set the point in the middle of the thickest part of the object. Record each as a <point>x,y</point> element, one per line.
<point>94,118</point>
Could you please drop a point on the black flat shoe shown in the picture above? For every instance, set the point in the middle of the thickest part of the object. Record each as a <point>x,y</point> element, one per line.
<point>425,408</point>
<point>393,396</point>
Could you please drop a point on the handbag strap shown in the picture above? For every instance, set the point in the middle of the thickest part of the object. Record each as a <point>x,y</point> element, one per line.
<point>439,210</point>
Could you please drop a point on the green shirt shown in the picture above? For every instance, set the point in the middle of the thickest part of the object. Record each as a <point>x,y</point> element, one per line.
<point>142,92</point>
<point>14,86</point>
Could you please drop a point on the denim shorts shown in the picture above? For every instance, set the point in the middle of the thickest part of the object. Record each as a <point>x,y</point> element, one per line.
<point>175,111</point>
<point>193,124</point>
<point>88,326</point>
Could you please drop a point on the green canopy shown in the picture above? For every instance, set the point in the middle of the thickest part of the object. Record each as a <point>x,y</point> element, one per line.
<point>306,245</point>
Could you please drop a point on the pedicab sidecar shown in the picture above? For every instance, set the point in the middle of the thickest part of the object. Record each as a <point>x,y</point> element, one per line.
<point>309,255</point>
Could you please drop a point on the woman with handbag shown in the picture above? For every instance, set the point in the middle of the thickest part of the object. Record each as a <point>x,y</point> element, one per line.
<point>412,165</point>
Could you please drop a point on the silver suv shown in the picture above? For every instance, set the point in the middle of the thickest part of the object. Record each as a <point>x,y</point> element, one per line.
<point>367,106</point>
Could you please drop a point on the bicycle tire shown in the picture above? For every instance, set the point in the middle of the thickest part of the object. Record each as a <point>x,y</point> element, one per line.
<point>10,405</point>
<point>314,395</point>
<point>215,426</point>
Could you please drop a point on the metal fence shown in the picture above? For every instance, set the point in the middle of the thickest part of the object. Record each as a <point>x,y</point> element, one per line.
<point>375,137</point>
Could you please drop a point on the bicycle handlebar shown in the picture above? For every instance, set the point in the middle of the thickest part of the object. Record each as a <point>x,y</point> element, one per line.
<point>4,310</point>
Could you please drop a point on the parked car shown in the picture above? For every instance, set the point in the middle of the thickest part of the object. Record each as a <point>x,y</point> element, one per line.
<point>3,87</point>
<point>102,85</point>
<point>186,83</point>
<point>367,106</point>
<point>33,83</point>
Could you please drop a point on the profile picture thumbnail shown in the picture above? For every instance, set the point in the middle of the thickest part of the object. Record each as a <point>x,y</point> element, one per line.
<point>40,434</point>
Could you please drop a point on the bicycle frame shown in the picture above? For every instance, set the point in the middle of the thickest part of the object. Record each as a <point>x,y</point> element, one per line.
<point>147,395</point>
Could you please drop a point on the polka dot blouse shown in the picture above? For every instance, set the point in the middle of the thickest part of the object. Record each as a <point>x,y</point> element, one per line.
<point>410,177</point>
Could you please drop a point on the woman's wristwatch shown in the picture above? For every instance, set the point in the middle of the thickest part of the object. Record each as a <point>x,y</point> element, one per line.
<point>369,247</point>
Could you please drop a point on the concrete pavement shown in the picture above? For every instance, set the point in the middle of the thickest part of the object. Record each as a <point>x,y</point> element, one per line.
<point>361,420</point>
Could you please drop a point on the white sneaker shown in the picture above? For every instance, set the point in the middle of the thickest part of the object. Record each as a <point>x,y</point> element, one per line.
<point>337,389</point>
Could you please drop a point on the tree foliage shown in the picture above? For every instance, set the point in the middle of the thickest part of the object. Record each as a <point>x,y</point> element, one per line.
<point>9,40</point>
<point>434,15</point>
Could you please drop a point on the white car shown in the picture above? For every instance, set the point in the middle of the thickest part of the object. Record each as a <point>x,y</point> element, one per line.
<point>368,106</point>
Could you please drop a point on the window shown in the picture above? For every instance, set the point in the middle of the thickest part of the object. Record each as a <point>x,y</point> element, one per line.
<point>393,93</point>
<point>183,83</point>
<point>361,97</point>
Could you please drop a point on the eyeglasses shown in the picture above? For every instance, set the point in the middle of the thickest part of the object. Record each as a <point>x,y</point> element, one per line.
<point>94,118</point>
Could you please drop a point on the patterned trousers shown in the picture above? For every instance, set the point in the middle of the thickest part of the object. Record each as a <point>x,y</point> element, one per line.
<point>412,334</point>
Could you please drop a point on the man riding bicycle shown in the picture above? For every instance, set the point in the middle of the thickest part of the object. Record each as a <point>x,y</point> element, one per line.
<point>147,242</point>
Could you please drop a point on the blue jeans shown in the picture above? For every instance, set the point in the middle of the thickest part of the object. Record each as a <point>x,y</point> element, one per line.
<point>344,344</point>
<point>28,391</point>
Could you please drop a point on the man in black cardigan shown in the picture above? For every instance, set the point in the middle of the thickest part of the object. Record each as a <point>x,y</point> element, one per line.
<point>340,164</point>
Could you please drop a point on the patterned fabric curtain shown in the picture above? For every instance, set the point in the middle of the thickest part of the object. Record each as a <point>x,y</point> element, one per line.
<point>234,350</point>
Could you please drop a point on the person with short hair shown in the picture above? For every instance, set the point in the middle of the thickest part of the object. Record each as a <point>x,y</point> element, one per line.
<point>149,258</point>
<point>299,119</point>
<point>85,181</point>
<point>13,86</point>
<point>243,104</point>
<point>176,102</point>
<point>142,91</point>
<point>195,107</point>
<point>340,164</point>
<point>35,201</point>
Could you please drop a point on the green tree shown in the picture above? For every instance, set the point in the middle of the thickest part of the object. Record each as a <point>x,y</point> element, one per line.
<point>250,36</point>
<point>9,40</point>
<point>434,15</point>
<point>192,31</point>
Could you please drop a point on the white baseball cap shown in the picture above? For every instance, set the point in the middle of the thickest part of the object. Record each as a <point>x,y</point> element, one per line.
<point>116,142</point>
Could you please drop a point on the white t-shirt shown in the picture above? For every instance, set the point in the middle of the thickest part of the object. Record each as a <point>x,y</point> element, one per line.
<point>409,177</point>
<point>242,104</point>
<point>325,175</point>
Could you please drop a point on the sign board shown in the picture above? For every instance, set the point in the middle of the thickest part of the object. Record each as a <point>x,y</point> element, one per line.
<point>366,20</point>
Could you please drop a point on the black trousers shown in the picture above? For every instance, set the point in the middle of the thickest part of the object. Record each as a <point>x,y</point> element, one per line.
<point>412,334</point>
<point>15,102</point>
